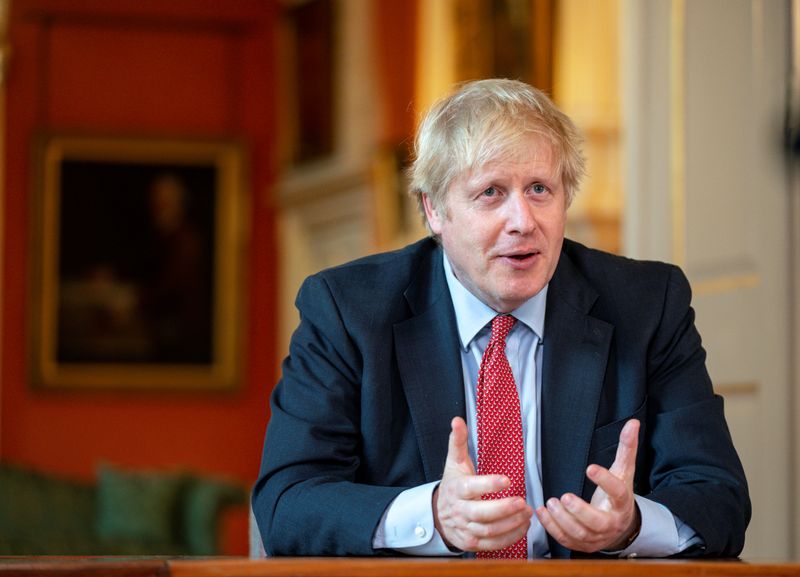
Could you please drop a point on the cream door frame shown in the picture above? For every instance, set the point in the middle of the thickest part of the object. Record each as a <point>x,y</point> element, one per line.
<point>325,208</point>
<point>794,120</point>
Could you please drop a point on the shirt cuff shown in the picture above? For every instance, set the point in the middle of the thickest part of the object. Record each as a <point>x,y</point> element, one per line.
<point>662,534</point>
<point>407,524</point>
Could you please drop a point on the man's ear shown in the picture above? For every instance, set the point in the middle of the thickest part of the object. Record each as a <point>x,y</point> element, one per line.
<point>434,216</point>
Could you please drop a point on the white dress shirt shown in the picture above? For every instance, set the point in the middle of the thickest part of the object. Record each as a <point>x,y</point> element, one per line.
<point>407,524</point>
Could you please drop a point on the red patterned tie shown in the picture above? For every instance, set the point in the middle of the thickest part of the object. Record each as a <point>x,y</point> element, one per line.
<point>500,447</point>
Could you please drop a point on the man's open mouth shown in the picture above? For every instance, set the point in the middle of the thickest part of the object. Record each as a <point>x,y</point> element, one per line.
<point>523,255</point>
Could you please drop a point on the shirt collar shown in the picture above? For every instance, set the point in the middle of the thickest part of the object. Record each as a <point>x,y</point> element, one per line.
<point>472,314</point>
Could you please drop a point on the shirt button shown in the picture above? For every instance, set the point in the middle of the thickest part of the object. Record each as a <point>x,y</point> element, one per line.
<point>420,532</point>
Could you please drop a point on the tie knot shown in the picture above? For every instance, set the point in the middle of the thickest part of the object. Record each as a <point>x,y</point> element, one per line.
<point>501,325</point>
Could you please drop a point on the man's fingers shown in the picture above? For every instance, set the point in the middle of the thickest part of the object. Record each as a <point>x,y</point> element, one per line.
<point>567,521</point>
<point>486,525</point>
<point>625,460</point>
<point>461,516</point>
<point>501,525</point>
<point>471,487</point>
<point>457,450</point>
<point>551,525</point>
<point>466,484</point>
<point>569,529</point>
<point>493,510</point>
<point>615,485</point>
<point>585,514</point>
<point>502,534</point>
<point>490,538</point>
<point>617,490</point>
<point>606,520</point>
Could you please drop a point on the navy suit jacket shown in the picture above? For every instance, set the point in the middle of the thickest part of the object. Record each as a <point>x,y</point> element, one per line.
<point>374,377</point>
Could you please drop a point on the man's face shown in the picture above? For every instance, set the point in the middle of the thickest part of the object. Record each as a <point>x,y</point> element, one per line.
<point>503,225</point>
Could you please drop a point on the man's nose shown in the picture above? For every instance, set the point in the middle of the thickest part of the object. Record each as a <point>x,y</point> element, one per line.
<point>521,216</point>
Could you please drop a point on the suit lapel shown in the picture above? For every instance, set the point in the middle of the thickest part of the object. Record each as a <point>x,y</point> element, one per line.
<point>576,348</point>
<point>429,363</point>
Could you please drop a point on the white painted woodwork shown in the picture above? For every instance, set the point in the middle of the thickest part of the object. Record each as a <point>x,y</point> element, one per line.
<point>705,86</point>
<point>325,215</point>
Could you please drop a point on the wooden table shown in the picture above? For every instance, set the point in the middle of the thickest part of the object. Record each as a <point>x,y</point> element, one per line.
<point>368,567</point>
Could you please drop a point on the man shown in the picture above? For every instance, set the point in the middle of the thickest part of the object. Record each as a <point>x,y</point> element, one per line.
<point>498,389</point>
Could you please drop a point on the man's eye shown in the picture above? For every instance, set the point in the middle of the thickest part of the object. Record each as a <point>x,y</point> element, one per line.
<point>539,189</point>
<point>491,191</point>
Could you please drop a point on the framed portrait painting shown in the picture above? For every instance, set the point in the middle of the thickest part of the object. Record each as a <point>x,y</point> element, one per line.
<point>136,254</point>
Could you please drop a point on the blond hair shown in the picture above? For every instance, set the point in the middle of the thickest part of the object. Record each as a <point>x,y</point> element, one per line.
<point>487,120</point>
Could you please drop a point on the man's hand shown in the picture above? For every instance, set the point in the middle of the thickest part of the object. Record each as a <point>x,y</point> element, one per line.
<point>608,522</point>
<point>464,520</point>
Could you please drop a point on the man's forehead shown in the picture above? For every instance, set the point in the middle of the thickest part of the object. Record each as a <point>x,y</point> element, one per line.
<point>534,155</point>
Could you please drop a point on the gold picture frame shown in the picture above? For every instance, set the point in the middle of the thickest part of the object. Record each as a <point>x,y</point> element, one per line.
<point>136,263</point>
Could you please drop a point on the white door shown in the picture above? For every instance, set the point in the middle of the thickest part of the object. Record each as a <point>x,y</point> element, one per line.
<point>708,188</point>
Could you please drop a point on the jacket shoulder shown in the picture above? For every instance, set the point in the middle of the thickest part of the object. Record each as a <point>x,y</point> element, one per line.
<point>380,273</point>
<point>379,286</point>
<point>607,270</point>
<point>624,287</point>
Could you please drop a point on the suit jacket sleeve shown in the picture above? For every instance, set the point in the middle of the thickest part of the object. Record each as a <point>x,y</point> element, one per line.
<point>311,497</point>
<point>691,465</point>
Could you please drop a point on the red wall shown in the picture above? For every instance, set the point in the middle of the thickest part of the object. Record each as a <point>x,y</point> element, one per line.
<point>177,68</point>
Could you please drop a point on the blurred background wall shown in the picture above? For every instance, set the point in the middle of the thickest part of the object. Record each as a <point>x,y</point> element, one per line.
<point>683,103</point>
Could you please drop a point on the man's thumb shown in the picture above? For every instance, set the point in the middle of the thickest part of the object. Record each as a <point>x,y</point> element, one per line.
<point>457,451</point>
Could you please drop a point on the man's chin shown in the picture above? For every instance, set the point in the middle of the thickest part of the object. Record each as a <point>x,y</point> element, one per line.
<point>511,302</point>
<point>520,290</point>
